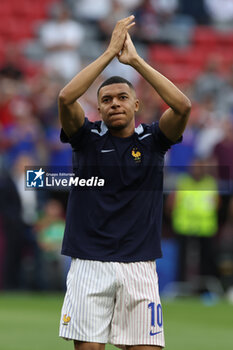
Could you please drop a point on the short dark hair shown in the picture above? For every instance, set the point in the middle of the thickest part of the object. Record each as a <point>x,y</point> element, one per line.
<point>115,80</point>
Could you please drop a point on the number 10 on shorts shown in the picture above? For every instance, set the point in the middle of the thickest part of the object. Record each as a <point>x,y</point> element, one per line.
<point>156,314</point>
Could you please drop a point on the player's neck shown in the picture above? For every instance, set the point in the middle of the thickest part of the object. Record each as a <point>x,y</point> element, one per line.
<point>123,133</point>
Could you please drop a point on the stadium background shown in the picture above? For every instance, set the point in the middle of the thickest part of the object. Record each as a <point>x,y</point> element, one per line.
<point>43,43</point>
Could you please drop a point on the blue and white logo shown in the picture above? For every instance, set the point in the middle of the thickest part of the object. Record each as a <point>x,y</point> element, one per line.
<point>35,178</point>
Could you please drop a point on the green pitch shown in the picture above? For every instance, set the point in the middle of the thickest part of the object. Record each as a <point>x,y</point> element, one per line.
<point>30,321</point>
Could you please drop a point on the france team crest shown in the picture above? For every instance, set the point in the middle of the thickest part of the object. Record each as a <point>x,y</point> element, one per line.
<point>35,178</point>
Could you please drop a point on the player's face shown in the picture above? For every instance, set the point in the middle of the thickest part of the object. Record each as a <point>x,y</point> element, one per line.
<point>117,106</point>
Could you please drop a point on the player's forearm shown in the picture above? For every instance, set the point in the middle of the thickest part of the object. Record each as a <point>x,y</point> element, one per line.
<point>84,79</point>
<point>164,87</point>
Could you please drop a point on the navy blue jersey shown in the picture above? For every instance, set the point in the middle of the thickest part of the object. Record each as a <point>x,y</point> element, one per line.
<point>120,221</point>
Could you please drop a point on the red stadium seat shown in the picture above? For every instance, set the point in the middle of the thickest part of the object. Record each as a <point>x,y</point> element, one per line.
<point>191,56</point>
<point>184,64</point>
<point>179,73</point>
<point>15,30</point>
<point>2,51</point>
<point>30,9</point>
<point>205,36</point>
<point>225,40</point>
<point>19,18</point>
<point>5,9</point>
<point>162,53</point>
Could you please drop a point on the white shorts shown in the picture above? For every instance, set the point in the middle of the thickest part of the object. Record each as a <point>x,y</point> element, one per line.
<point>111,302</point>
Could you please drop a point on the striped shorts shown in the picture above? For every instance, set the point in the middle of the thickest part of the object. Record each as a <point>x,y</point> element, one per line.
<point>111,302</point>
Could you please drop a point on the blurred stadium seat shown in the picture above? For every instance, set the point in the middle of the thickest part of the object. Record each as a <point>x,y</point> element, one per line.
<point>19,23</point>
<point>19,18</point>
<point>184,64</point>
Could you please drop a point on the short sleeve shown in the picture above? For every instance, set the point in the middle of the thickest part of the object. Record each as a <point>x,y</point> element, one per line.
<point>164,143</point>
<point>79,138</point>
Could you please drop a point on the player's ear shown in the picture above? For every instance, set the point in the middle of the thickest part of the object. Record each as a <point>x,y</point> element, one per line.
<point>137,105</point>
<point>99,110</point>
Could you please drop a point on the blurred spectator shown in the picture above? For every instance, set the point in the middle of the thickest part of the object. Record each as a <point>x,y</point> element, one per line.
<point>50,228</point>
<point>61,38</point>
<point>181,156</point>
<point>130,5</point>
<point>225,249</point>
<point>11,68</point>
<point>12,231</point>
<point>158,21</point>
<point>107,23</point>
<point>28,199</point>
<point>147,28</point>
<point>60,153</point>
<point>2,254</point>
<point>209,134</point>
<point>26,134</point>
<point>2,236</point>
<point>226,102</point>
<point>30,259</point>
<point>194,215</point>
<point>44,89</point>
<point>165,7</point>
<point>220,12</point>
<point>209,127</point>
<point>223,155</point>
<point>196,9</point>
<point>9,90</point>
<point>86,10</point>
<point>209,85</point>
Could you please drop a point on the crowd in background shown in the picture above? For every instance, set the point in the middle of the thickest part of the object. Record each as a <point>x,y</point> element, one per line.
<point>32,72</point>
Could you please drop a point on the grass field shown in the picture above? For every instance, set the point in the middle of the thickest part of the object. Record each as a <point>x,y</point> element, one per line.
<point>30,321</point>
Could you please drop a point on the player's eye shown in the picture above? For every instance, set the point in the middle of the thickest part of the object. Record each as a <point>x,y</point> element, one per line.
<point>106,99</point>
<point>123,97</point>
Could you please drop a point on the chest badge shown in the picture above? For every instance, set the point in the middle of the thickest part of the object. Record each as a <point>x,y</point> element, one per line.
<point>136,155</point>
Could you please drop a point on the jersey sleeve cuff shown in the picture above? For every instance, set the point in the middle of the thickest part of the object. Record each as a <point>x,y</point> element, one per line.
<point>72,140</point>
<point>165,142</point>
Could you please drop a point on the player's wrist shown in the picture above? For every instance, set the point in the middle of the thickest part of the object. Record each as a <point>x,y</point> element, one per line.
<point>134,61</point>
<point>111,52</point>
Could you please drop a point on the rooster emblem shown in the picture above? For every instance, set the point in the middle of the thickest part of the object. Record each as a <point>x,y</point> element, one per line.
<point>66,319</point>
<point>136,154</point>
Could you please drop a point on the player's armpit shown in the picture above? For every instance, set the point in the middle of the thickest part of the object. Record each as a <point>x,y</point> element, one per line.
<point>172,124</point>
<point>71,116</point>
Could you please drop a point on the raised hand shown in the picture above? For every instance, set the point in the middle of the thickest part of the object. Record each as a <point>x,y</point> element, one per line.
<point>128,52</point>
<point>119,34</point>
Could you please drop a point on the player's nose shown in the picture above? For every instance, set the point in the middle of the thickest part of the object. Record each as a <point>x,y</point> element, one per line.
<point>115,103</point>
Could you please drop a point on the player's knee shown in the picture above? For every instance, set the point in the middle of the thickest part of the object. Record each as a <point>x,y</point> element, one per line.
<point>78,345</point>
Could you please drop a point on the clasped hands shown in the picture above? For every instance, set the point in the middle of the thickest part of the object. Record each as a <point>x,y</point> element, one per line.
<point>121,44</point>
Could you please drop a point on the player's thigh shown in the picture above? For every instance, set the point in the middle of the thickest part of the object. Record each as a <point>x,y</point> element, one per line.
<point>89,302</point>
<point>79,345</point>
